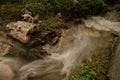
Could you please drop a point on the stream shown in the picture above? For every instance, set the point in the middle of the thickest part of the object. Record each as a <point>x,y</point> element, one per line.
<point>76,46</point>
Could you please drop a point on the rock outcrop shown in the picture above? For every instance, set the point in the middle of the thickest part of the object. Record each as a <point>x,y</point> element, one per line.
<point>20,30</point>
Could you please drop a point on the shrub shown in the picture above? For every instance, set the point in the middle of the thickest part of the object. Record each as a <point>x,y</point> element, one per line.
<point>110,2</point>
<point>89,7</point>
<point>10,1</point>
<point>9,12</point>
<point>69,8</point>
<point>48,30</point>
<point>43,8</point>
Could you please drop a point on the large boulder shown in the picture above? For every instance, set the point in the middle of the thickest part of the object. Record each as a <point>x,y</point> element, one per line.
<point>20,30</point>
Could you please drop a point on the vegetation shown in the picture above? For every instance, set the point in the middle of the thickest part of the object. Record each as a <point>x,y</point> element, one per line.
<point>87,72</point>
<point>46,8</point>
<point>69,8</point>
<point>8,12</point>
<point>48,30</point>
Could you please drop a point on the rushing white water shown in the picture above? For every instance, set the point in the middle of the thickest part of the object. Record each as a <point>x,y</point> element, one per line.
<point>101,24</point>
<point>80,49</point>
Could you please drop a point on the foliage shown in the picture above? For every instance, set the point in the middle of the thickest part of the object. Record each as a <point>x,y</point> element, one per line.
<point>87,72</point>
<point>10,1</point>
<point>9,12</point>
<point>110,2</point>
<point>41,9</point>
<point>69,8</point>
<point>47,8</point>
<point>48,30</point>
<point>90,7</point>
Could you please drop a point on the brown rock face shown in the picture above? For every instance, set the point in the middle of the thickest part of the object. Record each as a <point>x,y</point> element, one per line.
<point>5,72</point>
<point>4,48</point>
<point>20,30</point>
<point>9,67</point>
<point>114,71</point>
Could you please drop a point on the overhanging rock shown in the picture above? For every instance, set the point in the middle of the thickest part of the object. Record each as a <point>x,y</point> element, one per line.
<point>20,30</point>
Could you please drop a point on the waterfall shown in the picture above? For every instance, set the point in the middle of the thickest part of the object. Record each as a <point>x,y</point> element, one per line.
<point>74,48</point>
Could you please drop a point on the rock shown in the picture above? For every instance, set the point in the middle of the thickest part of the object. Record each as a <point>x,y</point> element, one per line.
<point>4,48</point>
<point>113,16</point>
<point>20,30</point>
<point>13,62</point>
<point>101,24</point>
<point>22,12</point>
<point>76,46</point>
<point>9,67</point>
<point>5,72</point>
<point>10,45</point>
<point>114,71</point>
<point>36,53</point>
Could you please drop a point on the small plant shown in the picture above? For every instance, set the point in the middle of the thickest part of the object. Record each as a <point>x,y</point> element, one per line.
<point>87,72</point>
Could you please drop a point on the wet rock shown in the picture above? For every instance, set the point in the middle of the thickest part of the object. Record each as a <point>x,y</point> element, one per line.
<point>10,45</point>
<point>114,71</point>
<point>9,66</point>
<point>36,53</point>
<point>5,72</point>
<point>20,30</point>
<point>101,24</point>
<point>113,16</point>
<point>46,69</point>
<point>4,48</point>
